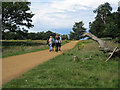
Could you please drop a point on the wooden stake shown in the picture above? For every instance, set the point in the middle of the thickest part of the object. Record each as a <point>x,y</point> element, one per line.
<point>74,58</point>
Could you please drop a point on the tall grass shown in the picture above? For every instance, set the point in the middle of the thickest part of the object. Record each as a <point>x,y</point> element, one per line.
<point>63,72</point>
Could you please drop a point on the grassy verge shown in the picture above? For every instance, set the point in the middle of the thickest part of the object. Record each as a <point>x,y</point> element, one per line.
<point>12,48</point>
<point>63,72</point>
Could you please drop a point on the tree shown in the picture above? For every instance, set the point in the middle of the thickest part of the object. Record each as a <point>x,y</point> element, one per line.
<point>102,11</point>
<point>78,30</point>
<point>97,27</point>
<point>64,37</point>
<point>71,35</point>
<point>112,26</point>
<point>118,16</point>
<point>106,24</point>
<point>48,34</point>
<point>15,15</point>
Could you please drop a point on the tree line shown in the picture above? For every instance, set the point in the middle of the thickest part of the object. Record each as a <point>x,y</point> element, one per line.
<point>23,35</point>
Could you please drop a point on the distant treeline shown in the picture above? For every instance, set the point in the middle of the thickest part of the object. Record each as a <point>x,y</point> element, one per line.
<point>22,35</point>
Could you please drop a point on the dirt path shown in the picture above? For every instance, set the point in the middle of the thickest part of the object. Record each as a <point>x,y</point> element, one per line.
<point>14,66</point>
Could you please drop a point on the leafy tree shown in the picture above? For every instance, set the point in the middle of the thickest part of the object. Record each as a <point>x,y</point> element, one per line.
<point>102,11</point>
<point>97,27</point>
<point>112,26</point>
<point>32,36</point>
<point>72,35</point>
<point>78,30</point>
<point>106,24</point>
<point>8,35</point>
<point>48,34</point>
<point>117,18</point>
<point>64,37</point>
<point>15,15</point>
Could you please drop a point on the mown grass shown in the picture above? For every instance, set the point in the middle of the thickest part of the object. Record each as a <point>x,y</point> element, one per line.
<point>17,47</point>
<point>63,72</point>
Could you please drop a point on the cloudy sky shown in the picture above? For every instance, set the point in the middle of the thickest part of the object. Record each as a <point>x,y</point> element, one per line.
<point>60,15</point>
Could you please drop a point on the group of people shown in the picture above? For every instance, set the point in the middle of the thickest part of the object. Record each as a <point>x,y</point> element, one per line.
<point>55,42</point>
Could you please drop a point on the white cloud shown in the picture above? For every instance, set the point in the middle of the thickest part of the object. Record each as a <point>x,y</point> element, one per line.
<point>63,13</point>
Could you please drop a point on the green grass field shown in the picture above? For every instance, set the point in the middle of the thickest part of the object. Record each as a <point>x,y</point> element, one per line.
<point>17,47</point>
<point>63,72</point>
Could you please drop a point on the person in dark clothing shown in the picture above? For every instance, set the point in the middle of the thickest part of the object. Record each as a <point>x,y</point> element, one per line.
<point>57,40</point>
<point>59,45</point>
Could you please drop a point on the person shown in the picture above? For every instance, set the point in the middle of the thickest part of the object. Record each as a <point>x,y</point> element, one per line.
<point>53,44</point>
<point>57,40</point>
<point>59,44</point>
<point>50,43</point>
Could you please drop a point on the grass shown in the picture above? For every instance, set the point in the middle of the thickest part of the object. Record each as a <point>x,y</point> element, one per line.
<point>63,72</point>
<point>17,47</point>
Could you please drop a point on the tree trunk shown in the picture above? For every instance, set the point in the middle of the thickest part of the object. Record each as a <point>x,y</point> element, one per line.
<point>103,19</point>
<point>101,43</point>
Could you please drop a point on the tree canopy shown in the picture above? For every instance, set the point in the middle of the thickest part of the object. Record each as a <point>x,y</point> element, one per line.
<point>106,23</point>
<point>15,15</point>
<point>78,30</point>
<point>102,11</point>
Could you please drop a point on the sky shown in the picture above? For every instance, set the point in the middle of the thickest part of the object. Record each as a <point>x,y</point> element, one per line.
<point>60,15</point>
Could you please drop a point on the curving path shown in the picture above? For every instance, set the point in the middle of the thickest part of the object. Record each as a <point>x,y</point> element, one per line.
<point>14,66</point>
